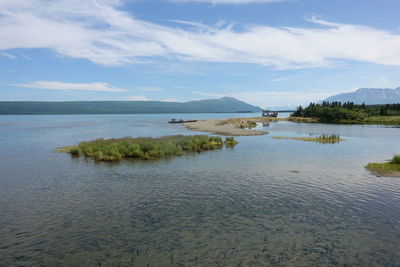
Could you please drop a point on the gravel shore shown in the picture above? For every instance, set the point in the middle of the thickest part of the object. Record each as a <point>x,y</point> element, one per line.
<point>226,127</point>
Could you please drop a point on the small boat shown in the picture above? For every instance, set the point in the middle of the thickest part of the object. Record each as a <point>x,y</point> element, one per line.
<point>180,121</point>
<point>269,113</point>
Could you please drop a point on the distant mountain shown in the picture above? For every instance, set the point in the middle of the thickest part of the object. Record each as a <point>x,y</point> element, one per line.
<point>222,105</point>
<point>369,96</point>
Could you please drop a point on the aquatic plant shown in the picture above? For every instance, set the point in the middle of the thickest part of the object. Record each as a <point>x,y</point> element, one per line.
<point>75,151</point>
<point>390,168</point>
<point>147,148</point>
<point>331,139</point>
<point>248,124</point>
<point>322,139</point>
<point>230,141</point>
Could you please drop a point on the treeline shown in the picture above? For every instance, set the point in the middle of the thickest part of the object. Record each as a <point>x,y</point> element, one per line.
<point>334,112</point>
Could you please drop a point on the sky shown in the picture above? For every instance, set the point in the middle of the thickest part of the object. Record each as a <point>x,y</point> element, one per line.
<point>270,53</point>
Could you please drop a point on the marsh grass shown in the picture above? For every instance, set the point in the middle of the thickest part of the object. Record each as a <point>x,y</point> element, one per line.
<point>301,119</point>
<point>147,148</point>
<point>375,120</point>
<point>230,142</point>
<point>247,125</point>
<point>66,149</point>
<point>390,168</point>
<point>322,139</point>
<point>238,121</point>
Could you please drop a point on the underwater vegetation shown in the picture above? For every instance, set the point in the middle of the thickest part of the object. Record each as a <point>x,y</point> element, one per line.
<point>147,148</point>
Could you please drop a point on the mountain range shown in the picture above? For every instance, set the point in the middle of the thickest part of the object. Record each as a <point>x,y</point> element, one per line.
<point>222,105</point>
<point>369,96</point>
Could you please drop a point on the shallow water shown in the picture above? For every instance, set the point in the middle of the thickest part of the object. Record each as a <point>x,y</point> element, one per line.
<point>264,202</point>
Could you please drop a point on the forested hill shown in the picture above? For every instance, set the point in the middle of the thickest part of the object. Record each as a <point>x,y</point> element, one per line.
<point>225,104</point>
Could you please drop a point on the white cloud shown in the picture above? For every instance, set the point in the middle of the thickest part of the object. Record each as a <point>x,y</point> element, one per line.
<point>137,98</point>
<point>103,33</point>
<point>282,79</point>
<point>52,85</point>
<point>8,55</point>
<point>170,100</point>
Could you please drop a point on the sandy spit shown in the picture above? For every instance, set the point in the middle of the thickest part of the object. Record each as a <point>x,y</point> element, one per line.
<point>226,127</point>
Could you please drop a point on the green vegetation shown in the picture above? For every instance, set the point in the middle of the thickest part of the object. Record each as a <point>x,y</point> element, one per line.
<point>322,139</point>
<point>247,125</point>
<point>384,120</point>
<point>241,123</point>
<point>390,168</point>
<point>230,141</point>
<point>350,113</point>
<point>395,159</point>
<point>75,151</point>
<point>302,119</point>
<point>147,148</point>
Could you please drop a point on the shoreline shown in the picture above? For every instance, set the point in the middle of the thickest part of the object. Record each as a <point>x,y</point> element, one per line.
<point>230,126</point>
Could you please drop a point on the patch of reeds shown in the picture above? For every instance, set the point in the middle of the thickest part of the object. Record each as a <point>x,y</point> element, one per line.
<point>230,141</point>
<point>322,139</point>
<point>390,168</point>
<point>147,148</point>
<point>247,125</point>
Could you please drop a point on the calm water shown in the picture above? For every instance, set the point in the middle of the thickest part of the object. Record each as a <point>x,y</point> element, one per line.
<point>264,202</point>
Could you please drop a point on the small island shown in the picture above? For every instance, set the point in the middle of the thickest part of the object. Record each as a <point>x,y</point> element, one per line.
<point>147,148</point>
<point>231,127</point>
<point>322,139</point>
<point>390,168</point>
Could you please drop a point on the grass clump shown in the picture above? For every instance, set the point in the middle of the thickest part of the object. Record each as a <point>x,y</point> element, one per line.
<point>248,125</point>
<point>322,139</point>
<point>329,139</point>
<point>147,148</point>
<point>230,141</point>
<point>390,168</point>
<point>75,151</point>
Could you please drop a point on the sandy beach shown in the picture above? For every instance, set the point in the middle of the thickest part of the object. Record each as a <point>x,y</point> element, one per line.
<point>229,127</point>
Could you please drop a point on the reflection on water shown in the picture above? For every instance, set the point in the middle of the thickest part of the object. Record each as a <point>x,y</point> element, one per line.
<point>264,202</point>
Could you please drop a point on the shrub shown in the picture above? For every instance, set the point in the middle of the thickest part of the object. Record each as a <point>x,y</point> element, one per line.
<point>75,151</point>
<point>230,141</point>
<point>148,148</point>
<point>248,125</point>
<point>396,159</point>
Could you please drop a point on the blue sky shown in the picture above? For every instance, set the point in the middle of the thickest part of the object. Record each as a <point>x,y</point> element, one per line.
<point>265,52</point>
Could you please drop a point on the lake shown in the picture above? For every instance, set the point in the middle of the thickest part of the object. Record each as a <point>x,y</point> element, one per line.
<point>263,202</point>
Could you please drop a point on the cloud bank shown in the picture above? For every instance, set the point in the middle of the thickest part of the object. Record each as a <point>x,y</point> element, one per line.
<point>100,31</point>
<point>52,85</point>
